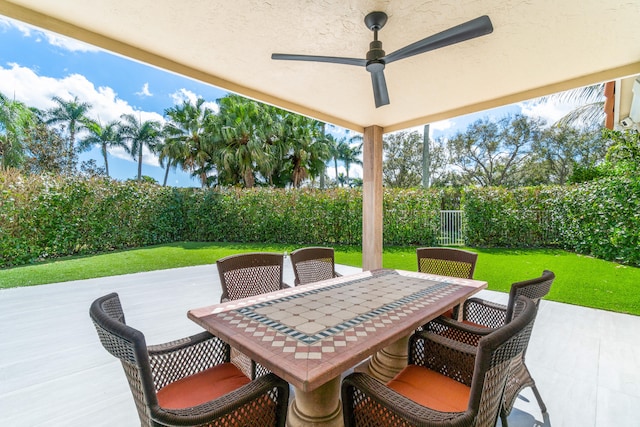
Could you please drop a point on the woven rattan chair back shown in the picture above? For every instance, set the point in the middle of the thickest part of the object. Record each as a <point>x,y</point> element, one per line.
<point>250,274</point>
<point>534,289</point>
<point>128,345</point>
<point>499,358</point>
<point>447,262</point>
<point>520,377</point>
<point>313,264</point>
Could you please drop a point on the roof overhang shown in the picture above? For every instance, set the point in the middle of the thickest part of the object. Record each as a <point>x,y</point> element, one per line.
<point>537,48</point>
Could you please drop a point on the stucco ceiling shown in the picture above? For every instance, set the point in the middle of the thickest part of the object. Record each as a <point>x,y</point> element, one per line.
<point>537,47</point>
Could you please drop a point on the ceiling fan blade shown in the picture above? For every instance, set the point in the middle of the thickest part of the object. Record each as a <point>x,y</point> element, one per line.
<point>380,93</point>
<point>469,30</point>
<point>332,59</point>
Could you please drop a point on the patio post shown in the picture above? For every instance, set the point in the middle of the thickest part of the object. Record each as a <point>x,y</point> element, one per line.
<point>372,198</point>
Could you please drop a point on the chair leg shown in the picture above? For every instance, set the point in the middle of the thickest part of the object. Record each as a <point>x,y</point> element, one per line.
<point>503,419</point>
<point>543,407</point>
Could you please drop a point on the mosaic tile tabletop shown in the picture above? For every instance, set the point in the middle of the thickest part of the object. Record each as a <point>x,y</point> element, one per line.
<point>312,333</point>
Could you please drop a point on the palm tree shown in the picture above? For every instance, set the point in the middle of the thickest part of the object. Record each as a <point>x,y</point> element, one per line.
<point>15,119</point>
<point>590,112</point>
<point>106,137</point>
<point>187,139</point>
<point>350,154</point>
<point>171,154</point>
<point>244,128</point>
<point>140,134</point>
<point>342,150</point>
<point>72,115</point>
<point>307,149</point>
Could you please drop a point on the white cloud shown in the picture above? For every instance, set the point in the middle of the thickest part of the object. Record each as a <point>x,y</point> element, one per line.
<point>550,111</point>
<point>53,38</point>
<point>442,125</point>
<point>6,24</point>
<point>181,95</point>
<point>34,90</point>
<point>144,91</point>
<point>69,44</point>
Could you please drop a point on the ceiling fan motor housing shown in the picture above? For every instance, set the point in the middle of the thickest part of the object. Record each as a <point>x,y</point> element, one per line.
<point>375,51</point>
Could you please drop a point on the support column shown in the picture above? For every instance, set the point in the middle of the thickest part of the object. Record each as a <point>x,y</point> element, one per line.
<point>372,199</point>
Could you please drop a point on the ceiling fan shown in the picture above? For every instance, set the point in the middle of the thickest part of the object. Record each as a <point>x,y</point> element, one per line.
<point>376,59</point>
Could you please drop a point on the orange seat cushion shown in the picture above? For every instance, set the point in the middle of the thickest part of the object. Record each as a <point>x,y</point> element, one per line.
<point>448,313</point>
<point>431,389</point>
<point>202,387</point>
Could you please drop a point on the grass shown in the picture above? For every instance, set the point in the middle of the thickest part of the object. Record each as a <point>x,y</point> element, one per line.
<point>580,280</point>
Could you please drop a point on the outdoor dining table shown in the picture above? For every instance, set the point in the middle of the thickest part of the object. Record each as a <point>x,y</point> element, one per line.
<point>310,335</point>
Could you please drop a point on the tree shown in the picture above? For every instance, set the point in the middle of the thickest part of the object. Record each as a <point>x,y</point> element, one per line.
<point>171,154</point>
<point>333,151</point>
<point>72,115</point>
<point>402,165</point>
<point>624,153</point>
<point>306,147</point>
<point>440,175</point>
<point>562,148</point>
<point>140,134</point>
<point>105,137</point>
<point>351,156</point>
<point>246,131</point>
<point>188,142</point>
<point>15,120</point>
<point>492,153</point>
<point>591,111</point>
<point>46,150</point>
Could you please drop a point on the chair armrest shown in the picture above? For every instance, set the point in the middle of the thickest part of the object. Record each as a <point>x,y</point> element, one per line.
<point>367,399</point>
<point>187,356</point>
<point>445,355</point>
<point>463,332</point>
<point>483,312</point>
<point>248,405</point>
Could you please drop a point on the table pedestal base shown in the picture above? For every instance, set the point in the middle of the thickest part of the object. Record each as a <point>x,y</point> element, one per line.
<point>317,408</point>
<point>386,363</point>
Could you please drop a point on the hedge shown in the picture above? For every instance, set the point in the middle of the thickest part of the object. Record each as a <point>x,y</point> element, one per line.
<point>43,217</point>
<point>46,217</point>
<point>599,218</point>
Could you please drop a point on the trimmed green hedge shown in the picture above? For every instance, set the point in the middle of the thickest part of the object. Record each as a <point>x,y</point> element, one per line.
<point>599,218</point>
<point>306,216</point>
<point>45,217</point>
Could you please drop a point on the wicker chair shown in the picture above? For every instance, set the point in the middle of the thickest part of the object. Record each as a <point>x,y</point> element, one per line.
<point>250,274</point>
<point>247,275</point>
<point>187,382</point>
<point>447,262</point>
<point>313,264</point>
<point>481,317</point>
<point>447,382</point>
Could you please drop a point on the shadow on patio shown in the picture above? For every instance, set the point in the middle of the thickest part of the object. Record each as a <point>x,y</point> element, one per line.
<point>54,371</point>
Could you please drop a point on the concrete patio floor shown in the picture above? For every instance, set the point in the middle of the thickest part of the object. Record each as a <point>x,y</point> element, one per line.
<point>53,370</point>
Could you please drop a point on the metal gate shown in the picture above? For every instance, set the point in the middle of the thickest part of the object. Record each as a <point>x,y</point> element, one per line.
<point>451,228</point>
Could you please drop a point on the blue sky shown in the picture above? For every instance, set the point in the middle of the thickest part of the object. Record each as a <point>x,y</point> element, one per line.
<point>36,65</point>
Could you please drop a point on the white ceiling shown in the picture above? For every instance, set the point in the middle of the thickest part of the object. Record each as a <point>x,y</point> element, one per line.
<point>537,47</point>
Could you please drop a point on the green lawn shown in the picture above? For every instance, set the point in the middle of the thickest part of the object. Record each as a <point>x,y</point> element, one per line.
<point>579,280</point>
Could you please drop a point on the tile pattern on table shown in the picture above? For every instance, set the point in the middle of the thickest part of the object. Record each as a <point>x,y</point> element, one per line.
<point>318,322</point>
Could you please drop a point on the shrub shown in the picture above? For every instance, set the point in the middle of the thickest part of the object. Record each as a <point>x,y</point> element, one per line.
<point>43,216</point>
